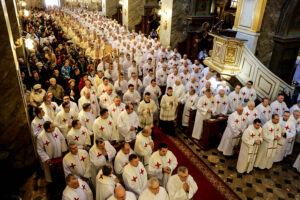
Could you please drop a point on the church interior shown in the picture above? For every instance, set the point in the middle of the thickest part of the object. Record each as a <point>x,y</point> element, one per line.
<point>214,83</point>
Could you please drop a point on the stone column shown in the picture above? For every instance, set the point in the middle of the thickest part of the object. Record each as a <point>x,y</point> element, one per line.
<point>15,137</point>
<point>132,11</point>
<point>248,20</point>
<point>109,7</point>
<point>173,22</point>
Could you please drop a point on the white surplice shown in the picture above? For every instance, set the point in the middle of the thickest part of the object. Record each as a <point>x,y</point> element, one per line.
<point>83,192</point>
<point>190,102</point>
<point>143,148</point>
<point>148,195</point>
<point>176,191</point>
<point>125,121</point>
<point>264,113</point>
<point>79,136</point>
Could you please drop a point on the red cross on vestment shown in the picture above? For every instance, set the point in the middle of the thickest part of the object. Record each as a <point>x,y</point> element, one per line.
<point>236,121</point>
<point>158,165</point>
<point>134,179</point>
<point>103,91</point>
<point>277,109</point>
<point>93,102</point>
<point>73,165</point>
<point>243,119</point>
<point>105,100</point>
<point>247,114</point>
<point>172,77</point>
<point>82,158</point>
<point>251,95</point>
<point>240,98</point>
<point>76,198</point>
<point>255,114</point>
<point>224,103</point>
<point>277,129</point>
<point>114,110</point>
<point>99,155</point>
<point>264,112</point>
<point>93,92</point>
<point>244,93</point>
<point>205,104</point>
<point>83,187</point>
<point>252,135</point>
<point>146,145</point>
<point>64,120</point>
<point>83,133</point>
<point>259,135</point>
<point>192,101</point>
<point>234,99</point>
<point>212,102</point>
<point>101,128</point>
<point>202,81</point>
<point>218,102</point>
<point>269,111</point>
<point>40,125</point>
<point>72,117</point>
<point>109,123</point>
<point>169,161</point>
<point>47,143</point>
<point>55,135</point>
<point>101,176</point>
<point>286,128</point>
<point>76,138</point>
<point>142,171</point>
<point>271,130</point>
<point>87,120</point>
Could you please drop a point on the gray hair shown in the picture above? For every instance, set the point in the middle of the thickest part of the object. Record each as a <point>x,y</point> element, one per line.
<point>71,143</point>
<point>152,181</point>
<point>182,169</point>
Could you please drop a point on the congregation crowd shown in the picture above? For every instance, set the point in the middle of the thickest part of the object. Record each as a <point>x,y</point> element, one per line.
<point>93,87</point>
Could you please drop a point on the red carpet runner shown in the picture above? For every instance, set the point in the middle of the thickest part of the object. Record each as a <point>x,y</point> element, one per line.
<point>214,189</point>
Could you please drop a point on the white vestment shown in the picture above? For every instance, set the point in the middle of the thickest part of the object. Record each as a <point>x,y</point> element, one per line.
<point>178,91</point>
<point>49,146</point>
<point>152,91</point>
<point>148,195</point>
<point>122,87</point>
<point>264,113</point>
<point>249,94</point>
<point>220,105</point>
<point>176,191</point>
<point>171,79</point>
<point>125,121</point>
<point>250,115</point>
<point>190,102</point>
<point>105,186</point>
<point>102,88</point>
<point>49,111</point>
<point>129,196</point>
<point>63,119</point>
<point>94,104</point>
<point>145,117</point>
<point>106,100</point>
<point>203,105</point>
<point>278,108</point>
<point>105,129</point>
<point>83,192</point>
<point>248,149</point>
<point>121,160</point>
<point>79,136</point>
<point>158,162</point>
<point>236,125</point>
<point>268,148</point>
<point>234,100</point>
<point>115,111</point>
<point>143,148</point>
<point>78,164</point>
<point>87,120</point>
<point>135,178</point>
<point>37,125</point>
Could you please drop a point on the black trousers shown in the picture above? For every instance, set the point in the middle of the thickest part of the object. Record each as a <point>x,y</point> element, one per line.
<point>168,127</point>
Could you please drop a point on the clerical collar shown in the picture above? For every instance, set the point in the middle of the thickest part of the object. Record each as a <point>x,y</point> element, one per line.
<point>146,101</point>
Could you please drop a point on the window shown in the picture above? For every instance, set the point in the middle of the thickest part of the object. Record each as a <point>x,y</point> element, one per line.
<point>51,3</point>
<point>234,3</point>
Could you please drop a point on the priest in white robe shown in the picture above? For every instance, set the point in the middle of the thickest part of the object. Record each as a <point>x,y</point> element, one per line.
<point>248,93</point>
<point>115,109</point>
<point>79,135</point>
<point>77,162</point>
<point>178,90</point>
<point>49,108</point>
<point>205,108</point>
<point>102,87</point>
<point>190,101</point>
<point>64,118</point>
<point>38,122</point>
<point>162,163</point>
<point>121,85</point>
<point>154,91</point>
<point>144,145</point>
<point>137,83</point>
<point>223,86</point>
<point>106,99</point>
<point>121,194</point>
<point>154,191</point>
<point>132,96</point>
<point>288,127</point>
<point>122,159</point>
<point>106,182</point>
<point>295,107</point>
<point>220,105</point>
<point>86,98</point>
<point>88,86</point>
<point>168,113</point>
<point>234,99</point>
<point>236,125</point>
<point>76,189</point>
<point>104,127</point>
<point>86,118</point>
<point>264,111</point>
<point>146,109</point>
<point>128,123</point>
<point>250,112</point>
<point>135,176</point>
<point>50,144</point>
<point>251,140</point>
<point>73,105</point>
<point>267,151</point>
<point>182,185</point>
<point>279,106</point>
<point>101,153</point>
<point>172,77</point>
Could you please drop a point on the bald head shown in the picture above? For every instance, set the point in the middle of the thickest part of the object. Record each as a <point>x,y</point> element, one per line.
<point>120,192</point>
<point>239,110</point>
<point>147,131</point>
<point>221,93</point>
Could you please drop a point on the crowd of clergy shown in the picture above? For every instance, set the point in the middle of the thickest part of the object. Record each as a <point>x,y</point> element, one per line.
<point>97,90</point>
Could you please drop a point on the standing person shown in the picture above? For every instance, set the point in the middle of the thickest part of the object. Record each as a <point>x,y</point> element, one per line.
<point>268,148</point>
<point>50,144</point>
<point>135,175</point>
<point>121,194</point>
<point>86,118</point>
<point>162,163</point>
<point>248,93</point>
<point>106,182</point>
<point>76,189</point>
<point>236,125</point>
<point>190,101</point>
<point>122,159</point>
<point>182,185</point>
<point>234,99</point>
<point>128,123</point>
<point>168,106</point>
<point>154,191</point>
<point>57,90</point>
<point>264,111</point>
<point>251,140</point>
<point>79,135</point>
<point>279,106</point>
<point>146,110</point>
<point>205,108</point>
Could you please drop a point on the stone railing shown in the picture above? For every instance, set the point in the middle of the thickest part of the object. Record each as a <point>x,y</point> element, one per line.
<point>230,57</point>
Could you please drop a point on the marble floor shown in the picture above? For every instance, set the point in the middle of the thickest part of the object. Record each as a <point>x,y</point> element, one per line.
<point>282,181</point>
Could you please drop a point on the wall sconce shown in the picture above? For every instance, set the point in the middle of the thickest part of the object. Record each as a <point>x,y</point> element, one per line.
<point>23,4</point>
<point>29,43</point>
<point>26,13</point>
